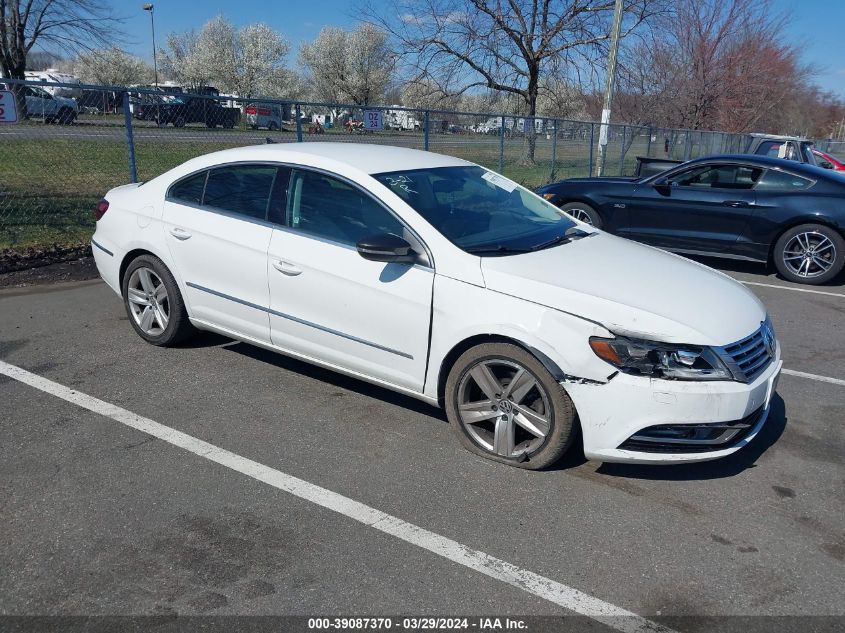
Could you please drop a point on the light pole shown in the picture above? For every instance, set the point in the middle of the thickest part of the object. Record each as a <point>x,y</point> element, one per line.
<point>150,7</point>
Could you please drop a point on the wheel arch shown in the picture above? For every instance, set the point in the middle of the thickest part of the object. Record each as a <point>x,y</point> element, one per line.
<point>793,222</point>
<point>129,258</point>
<point>468,343</point>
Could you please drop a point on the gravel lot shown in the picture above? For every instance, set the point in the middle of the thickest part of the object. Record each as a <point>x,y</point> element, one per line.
<point>100,518</point>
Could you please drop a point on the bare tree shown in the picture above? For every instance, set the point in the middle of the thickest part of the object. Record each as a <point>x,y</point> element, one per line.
<point>354,66</point>
<point>508,46</point>
<point>63,25</point>
<point>711,64</point>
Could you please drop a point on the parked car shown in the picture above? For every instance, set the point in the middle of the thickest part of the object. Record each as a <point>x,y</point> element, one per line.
<point>40,104</point>
<point>827,161</point>
<point>786,147</point>
<point>756,208</point>
<point>162,109</point>
<point>434,277</point>
<point>265,115</point>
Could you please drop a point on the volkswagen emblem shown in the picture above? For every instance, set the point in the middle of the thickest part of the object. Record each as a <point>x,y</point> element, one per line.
<point>768,338</point>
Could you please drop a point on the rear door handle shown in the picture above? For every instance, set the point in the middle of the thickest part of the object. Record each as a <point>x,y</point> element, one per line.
<point>286,268</point>
<point>179,233</point>
<point>737,203</point>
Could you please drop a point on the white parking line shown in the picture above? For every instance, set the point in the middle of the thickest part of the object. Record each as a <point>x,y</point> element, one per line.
<point>540,586</point>
<point>815,292</point>
<point>802,374</point>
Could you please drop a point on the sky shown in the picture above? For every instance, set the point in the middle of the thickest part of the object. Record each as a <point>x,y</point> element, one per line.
<point>815,27</point>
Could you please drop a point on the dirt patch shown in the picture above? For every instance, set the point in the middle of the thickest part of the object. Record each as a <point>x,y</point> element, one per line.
<point>78,268</point>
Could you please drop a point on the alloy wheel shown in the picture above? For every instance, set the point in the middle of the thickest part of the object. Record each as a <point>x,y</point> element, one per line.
<point>579,214</point>
<point>148,301</point>
<point>503,408</point>
<point>809,254</point>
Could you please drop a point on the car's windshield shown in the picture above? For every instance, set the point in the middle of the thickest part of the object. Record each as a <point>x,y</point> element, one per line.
<point>479,210</point>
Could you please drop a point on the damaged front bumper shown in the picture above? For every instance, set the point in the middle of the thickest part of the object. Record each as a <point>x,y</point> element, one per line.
<point>646,421</point>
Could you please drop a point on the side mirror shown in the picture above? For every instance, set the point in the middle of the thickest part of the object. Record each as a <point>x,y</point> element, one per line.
<point>386,247</point>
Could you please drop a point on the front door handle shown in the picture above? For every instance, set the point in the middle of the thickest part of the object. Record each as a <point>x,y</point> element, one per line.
<point>286,268</point>
<point>737,203</point>
<point>179,233</point>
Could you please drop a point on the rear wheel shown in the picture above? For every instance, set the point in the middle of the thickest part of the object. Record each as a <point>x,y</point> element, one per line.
<point>504,404</point>
<point>153,302</point>
<point>582,212</point>
<point>66,116</point>
<point>273,127</point>
<point>810,254</point>
<point>179,121</point>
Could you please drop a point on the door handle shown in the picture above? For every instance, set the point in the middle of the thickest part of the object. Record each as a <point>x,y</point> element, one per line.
<point>737,203</point>
<point>286,268</point>
<point>179,233</point>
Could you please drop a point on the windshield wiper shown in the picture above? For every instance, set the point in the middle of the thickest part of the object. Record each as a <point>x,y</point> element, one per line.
<point>499,249</point>
<point>572,233</point>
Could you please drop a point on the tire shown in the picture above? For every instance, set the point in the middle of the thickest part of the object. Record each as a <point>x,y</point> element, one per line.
<point>583,212</point>
<point>273,127</point>
<point>809,254</point>
<point>66,116</point>
<point>179,121</point>
<point>177,327</point>
<point>551,410</point>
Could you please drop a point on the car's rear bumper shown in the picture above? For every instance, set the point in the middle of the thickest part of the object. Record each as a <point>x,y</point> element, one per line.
<point>626,406</point>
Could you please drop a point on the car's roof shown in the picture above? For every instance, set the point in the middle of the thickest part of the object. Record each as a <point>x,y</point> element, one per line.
<point>366,157</point>
<point>759,159</point>
<point>778,137</point>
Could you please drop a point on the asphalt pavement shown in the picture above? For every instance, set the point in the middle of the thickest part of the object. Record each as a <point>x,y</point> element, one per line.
<point>100,518</point>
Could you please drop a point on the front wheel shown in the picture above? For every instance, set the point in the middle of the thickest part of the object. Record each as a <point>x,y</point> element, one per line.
<point>582,212</point>
<point>505,405</point>
<point>809,254</point>
<point>153,302</point>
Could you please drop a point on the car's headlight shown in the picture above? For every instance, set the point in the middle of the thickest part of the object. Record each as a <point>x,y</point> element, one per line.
<point>661,360</point>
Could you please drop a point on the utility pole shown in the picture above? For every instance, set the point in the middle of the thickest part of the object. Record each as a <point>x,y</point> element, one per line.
<point>150,8</point>
<point>609,85</point>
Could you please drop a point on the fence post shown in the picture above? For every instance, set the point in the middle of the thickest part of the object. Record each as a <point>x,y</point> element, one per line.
<point>298,109</point>
<point>686,146</point>
<point>502,145</point>
<point>130,139</point>
<point>622,149</point>
<point>648,147</point>
<point>425,130</point>
<point>592,139</point>
<point>554,150</point>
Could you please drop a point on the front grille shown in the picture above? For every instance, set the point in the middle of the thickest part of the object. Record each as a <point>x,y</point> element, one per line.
<point>648,440</point>
<point>749,357</point>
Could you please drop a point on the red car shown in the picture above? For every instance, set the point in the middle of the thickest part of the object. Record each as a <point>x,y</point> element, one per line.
<point>827,161</point>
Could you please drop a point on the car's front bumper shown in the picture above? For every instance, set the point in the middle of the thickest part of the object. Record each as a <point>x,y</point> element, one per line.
<point>611,413</point>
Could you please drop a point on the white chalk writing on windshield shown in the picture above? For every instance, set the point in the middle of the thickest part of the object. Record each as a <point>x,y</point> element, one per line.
<point>402,182</point>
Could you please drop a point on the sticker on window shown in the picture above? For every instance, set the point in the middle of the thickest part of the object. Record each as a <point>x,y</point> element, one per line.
<point>402,182</point>
<point>500,181</point>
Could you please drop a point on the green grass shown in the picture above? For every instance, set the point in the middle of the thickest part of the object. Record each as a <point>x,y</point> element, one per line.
<point>50,184</point>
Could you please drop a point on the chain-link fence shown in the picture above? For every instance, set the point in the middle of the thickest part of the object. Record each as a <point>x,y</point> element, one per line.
<point>75,142</point>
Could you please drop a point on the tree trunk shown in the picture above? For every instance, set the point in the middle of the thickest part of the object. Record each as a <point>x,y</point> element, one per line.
<point>528,128</point>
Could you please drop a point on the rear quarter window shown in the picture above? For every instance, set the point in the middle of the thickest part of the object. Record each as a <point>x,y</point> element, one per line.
<point>774,180</point>
<point>188,189</point>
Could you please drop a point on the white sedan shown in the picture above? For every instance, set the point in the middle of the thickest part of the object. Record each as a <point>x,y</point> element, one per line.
<point>438,278</point>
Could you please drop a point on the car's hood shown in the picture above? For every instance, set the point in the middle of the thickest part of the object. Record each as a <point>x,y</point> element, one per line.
<point>631,289</point>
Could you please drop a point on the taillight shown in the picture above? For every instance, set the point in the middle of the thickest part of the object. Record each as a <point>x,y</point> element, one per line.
<point>251,110</point>
<point>100,209</point>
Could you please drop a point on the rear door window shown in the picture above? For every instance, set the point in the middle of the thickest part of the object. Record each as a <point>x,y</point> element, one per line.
<point>241,189</point>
